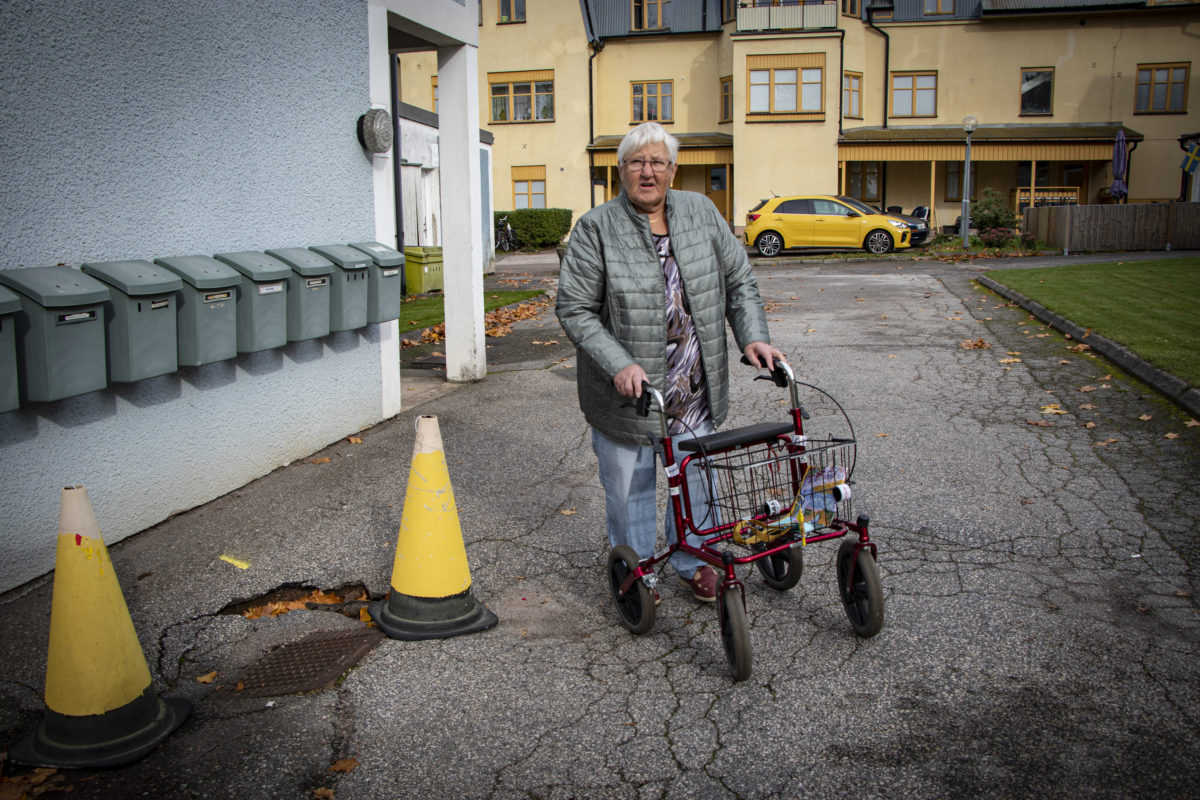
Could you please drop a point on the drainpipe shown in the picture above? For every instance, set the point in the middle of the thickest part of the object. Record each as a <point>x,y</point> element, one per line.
<point>842,75</point>
<point>887,59</point>
<point>1128,168</point>
<point>597,46</point>
<point>394,62</point>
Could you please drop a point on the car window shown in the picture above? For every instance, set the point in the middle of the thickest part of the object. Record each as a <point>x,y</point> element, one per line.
<point>761,203</point>
<point>830,208</point>
<point>795,207</point>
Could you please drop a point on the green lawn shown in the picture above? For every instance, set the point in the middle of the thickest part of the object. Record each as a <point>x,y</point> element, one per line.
<point>1151,307</point>
<point>425,310</point>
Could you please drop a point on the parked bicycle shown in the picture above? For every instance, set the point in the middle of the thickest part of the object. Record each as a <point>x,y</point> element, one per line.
<point>505,238</point>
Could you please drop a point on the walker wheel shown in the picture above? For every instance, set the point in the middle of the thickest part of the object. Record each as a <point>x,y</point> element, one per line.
<point>863,598</point>
<point>782,570</point>
<point>636,608</point>
<point>735,633</point>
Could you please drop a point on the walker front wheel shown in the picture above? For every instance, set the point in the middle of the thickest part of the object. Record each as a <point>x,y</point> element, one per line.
<point>862,594</point>
<point>636,608</point>
<point>735,633</point>
<point>782,570</point>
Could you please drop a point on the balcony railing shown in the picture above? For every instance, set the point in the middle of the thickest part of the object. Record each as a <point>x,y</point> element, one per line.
<point>789,17</point>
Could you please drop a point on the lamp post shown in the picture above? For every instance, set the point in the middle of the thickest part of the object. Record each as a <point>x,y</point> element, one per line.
<point>969,123</point>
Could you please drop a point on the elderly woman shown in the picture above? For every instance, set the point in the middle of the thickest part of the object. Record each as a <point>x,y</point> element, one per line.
<point>646,285</point>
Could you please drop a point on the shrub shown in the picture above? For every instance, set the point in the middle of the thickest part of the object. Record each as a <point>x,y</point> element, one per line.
<point>1028,240</point>
<point>993,212</point>
<point>996,237</point>
<point>537,228</point>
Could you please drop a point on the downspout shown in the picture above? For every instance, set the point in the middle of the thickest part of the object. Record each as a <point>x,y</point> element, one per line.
<point>887,59</point>
<point>841,76</point>
<point>394,62</point>
<point>597,46</point>
<point>1128,167</point>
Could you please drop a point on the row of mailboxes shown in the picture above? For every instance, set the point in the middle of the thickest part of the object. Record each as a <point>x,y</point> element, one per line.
<point>65,332</point>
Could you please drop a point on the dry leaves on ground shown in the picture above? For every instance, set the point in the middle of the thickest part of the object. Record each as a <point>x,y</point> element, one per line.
<point>276,607</point>
<point>499,322</point>
<point>344,765</point>
<point>978,344</point>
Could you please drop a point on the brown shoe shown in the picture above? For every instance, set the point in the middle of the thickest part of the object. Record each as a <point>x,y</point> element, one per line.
<point>703,584</point>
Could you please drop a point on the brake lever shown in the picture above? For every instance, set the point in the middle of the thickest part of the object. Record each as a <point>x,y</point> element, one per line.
<point>777,376</point>
<point>643,403</point>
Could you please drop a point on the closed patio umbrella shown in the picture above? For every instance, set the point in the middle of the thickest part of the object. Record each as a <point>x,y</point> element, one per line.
<point>1120,166</point>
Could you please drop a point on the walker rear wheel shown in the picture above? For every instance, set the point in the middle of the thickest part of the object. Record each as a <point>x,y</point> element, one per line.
<point>782,571</point>
<point>735,633</point>
<point>861,595</point>
<point>636,608</point>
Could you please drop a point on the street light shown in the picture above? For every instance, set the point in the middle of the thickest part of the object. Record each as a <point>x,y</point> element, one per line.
<point>968,123</point>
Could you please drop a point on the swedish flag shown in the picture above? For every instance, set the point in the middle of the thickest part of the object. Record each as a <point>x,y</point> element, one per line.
<point>1192,159</point>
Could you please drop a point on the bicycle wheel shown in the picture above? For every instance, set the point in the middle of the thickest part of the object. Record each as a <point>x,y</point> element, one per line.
<point>636,608</point>
<point>735,634</point>
<point>782,570</point>
<point>864,599</point>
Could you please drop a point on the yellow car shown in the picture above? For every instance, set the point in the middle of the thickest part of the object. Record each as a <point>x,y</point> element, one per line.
<point>825,221</point>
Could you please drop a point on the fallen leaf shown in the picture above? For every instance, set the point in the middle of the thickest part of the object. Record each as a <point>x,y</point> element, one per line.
<point>323,793</point>
<point>1172,436</point>
<point>1012,352</point>
<point>1182,593</point>
<point>566,512</point>
<point>355,440</point>
<point>1053,408</point>
<point>977,344</point>
<point>1089,424</point>
<point>883,435</point>
<point>344,765</point>
<point>1191,423</point>
<point>1145,417</point>
<point>207,677</point>
<point>1107,377</point>
<point>240,686</point>
<point>1106,443</point>
<point>364,615</point>
<point>1080,348</point>
<point>1010,361</point>
<point>321,460</point>
<point>1088,406</point>
<point>1041,423</point>
<point>1086,389</point>
<point>1064,361</point>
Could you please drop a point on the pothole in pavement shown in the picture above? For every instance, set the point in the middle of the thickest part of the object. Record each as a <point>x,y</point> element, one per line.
<point>316,661</point>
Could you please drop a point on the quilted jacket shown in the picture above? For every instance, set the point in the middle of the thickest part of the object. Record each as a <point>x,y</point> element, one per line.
<point>612,305</point>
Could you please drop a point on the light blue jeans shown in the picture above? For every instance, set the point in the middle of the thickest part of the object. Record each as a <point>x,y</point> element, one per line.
<point>629,474</point>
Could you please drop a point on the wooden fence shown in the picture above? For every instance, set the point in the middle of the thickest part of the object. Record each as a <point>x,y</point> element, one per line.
<point>1144,226</point>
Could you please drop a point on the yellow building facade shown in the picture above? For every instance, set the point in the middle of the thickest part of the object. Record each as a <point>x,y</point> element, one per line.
<point>776,97</point>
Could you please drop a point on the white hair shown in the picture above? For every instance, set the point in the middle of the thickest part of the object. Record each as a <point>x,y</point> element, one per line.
<point>644,134</point>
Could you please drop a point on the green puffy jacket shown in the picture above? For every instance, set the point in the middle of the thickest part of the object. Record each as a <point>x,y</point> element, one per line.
<point>612,305</point>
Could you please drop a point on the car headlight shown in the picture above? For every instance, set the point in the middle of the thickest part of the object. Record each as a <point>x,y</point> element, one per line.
<point>897,223</point>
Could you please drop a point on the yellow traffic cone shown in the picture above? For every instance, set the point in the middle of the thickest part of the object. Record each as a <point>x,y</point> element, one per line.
<point>431,581</point>
<point>101,710</point>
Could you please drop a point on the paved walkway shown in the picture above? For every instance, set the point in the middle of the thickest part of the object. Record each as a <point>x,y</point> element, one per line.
<point>1041,638</point>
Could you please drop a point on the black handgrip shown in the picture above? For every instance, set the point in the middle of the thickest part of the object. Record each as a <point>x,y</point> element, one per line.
<point>643,403</point>
<point>778,376</point>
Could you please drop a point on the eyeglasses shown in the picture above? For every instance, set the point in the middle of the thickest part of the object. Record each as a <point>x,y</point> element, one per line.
<point>636,164</point>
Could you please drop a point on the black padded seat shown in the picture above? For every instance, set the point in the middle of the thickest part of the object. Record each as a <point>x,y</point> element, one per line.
<point>723,440</point>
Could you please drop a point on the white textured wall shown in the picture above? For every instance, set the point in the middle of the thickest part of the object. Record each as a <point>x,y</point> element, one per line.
<point>148,128</point>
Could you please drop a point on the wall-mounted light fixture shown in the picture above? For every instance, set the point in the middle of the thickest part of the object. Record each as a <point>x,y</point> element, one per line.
<point>375,130</point>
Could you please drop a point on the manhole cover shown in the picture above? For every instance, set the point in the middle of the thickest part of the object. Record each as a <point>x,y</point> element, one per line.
<point>309,664</point>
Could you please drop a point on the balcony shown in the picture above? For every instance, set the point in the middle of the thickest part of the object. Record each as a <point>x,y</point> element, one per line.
<point>790,15</point>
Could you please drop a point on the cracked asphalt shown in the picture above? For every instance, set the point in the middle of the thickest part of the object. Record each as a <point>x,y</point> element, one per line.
<point>1040,639</point>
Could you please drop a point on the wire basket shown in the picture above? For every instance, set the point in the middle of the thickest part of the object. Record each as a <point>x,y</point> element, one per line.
<point>782,488</point>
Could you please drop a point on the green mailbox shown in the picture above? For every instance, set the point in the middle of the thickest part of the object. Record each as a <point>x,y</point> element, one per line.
<point>139,318</point>
<point>60,332</point>
<point>307,293</point>
<point>9,305</point>
<point>261,300</point>
<point>206,316</point>
<point>384,283</point>
<point>348,298</point>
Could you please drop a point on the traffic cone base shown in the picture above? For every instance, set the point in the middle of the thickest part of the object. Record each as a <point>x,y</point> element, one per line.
<point>411,618</point>
<point>112,739</point>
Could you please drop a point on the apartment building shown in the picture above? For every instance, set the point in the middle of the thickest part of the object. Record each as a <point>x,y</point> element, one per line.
<point>862,97</point>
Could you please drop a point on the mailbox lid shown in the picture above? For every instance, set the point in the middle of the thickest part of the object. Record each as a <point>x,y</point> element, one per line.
<point>255,265</point>
<point>201,272</point>
<point>383,255</point>
<point>303,260</point>
<point>135,278</point>
<point>55,287</point>
<point>343,255</point>
<point>9,302</point>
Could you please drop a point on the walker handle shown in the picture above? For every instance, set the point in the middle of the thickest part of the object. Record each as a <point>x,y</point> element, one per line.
<point>781,375</point>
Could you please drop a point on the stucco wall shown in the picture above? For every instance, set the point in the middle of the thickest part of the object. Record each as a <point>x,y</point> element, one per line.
<point>151,128</point>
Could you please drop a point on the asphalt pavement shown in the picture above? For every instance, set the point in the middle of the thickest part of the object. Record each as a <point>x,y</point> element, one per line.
<point>1041,635</point>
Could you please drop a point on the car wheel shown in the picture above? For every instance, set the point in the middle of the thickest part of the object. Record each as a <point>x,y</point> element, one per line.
<point>768,243</point>
<point>878,242</point>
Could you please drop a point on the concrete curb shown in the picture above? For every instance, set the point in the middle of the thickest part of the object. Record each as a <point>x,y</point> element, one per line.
<point>1178,390</point>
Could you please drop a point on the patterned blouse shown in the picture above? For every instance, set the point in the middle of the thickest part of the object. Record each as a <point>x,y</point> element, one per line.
<point>686,395</point>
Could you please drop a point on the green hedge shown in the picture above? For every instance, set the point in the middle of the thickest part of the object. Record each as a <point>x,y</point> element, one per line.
<point>537,228</point>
